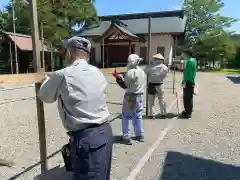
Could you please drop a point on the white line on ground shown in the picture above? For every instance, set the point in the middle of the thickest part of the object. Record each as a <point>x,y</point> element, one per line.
<point>133,174</point>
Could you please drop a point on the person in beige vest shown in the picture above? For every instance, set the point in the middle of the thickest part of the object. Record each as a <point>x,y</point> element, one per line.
<point>157,72</point>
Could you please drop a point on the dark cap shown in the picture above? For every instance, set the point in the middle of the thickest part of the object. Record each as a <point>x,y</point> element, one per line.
<point>79,43</point>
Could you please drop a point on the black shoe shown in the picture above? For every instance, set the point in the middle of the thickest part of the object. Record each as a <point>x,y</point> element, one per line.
<point>151,117</point>
<point>127,141</point>
<point>184,115</point>
<point>139,138</point>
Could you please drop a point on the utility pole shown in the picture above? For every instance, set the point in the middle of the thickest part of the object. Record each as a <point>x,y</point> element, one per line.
<point>37,68</point>
<point>14,32</point>
<point>42,41</point>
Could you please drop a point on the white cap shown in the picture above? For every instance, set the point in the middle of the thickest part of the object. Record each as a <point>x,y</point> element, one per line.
<point>133,60</point>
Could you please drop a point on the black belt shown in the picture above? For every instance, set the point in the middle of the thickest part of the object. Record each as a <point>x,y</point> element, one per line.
<point>135,94</point>
<point>83,131</point>
<point>155,84</point>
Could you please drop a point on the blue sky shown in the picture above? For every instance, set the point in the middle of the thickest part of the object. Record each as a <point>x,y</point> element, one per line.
<point>112,7</point>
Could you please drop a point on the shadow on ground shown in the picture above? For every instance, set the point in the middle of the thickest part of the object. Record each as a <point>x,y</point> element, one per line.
<point>234,79</point>
<point>179,166</point>
<point>160,117</point>
<point>57,173</point>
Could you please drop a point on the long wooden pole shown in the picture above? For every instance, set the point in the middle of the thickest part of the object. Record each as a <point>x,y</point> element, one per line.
<point>37,68</point>
<point>42,43</point>
<point>148,58</point>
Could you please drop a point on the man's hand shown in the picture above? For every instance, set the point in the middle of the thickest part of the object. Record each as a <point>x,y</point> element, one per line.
<point>115,74</point>
<point>183,84</point>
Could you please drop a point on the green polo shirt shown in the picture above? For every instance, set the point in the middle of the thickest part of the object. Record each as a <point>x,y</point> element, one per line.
<point>190,70</point>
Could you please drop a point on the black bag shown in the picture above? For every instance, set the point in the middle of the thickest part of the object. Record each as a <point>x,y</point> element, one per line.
<point>66,154</point>
<point>151,89</point>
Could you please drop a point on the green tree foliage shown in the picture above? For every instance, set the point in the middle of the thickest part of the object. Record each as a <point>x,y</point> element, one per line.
<point>204,17</point>
<point>58,17</point>
<point>205,32</point>
<point>236,60</point>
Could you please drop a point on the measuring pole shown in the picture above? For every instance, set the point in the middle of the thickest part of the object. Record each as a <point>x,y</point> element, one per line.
<point>148,58</point>
<point>174,78</point>
<point>37,68</point>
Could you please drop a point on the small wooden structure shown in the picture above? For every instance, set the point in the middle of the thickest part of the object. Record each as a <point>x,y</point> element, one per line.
<point>24,53</point>
<point>116,44</point>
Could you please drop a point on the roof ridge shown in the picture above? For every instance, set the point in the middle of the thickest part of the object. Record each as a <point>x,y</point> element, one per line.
<point>144,15</point>
<point>17,34</point>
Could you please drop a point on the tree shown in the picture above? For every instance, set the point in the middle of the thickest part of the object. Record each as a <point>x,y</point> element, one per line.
<point>203,18</point>
<point>215,46</point>
<point>58,17</point>
<point>205,31</point>
<point>235,61</point>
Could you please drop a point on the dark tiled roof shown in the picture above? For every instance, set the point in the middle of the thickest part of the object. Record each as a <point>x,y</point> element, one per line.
<point>24,42</point>
<point>162,22</point>
<point>177,13</point>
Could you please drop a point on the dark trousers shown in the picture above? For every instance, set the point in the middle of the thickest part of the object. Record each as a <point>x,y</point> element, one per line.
<point>188,98</point>
<point>91,153</point>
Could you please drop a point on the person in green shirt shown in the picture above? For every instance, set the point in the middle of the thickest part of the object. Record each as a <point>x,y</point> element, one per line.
<point>188,83</point>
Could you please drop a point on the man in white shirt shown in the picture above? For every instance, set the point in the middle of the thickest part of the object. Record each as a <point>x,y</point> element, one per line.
<point>157,72</point>
<point>134,84</point>
<point>80,90</point>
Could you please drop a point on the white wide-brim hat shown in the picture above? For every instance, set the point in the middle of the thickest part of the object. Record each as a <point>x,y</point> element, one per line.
<point>158,56</point>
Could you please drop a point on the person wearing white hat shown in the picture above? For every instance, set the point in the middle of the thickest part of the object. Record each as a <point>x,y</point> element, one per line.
<point>134,84</point>
<point>157,72</point>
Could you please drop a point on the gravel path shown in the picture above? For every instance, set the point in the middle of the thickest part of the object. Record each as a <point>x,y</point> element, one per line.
<point>207,146</point>
<point>19,135</point>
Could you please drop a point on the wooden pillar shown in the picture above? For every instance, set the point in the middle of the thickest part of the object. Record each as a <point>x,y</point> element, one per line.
<point>148,57</point>
<point>42,44</point>
<point>11,56</point>
<point>103,54</point>
<point>37,68</point>
<point>130,47</point>
<point>175,54</point>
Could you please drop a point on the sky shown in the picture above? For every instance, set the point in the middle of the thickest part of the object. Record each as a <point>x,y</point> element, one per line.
<point>114,7</point>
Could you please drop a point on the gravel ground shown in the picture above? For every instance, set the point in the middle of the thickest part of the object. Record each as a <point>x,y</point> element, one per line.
<point>19,135</point>
<point>207,146</point>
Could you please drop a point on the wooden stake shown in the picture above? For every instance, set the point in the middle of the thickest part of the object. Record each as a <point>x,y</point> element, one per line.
<point>37,68</point>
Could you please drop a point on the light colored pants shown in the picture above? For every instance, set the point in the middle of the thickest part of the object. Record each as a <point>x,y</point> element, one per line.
<point>135,115</point>
<point>162,103</point>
